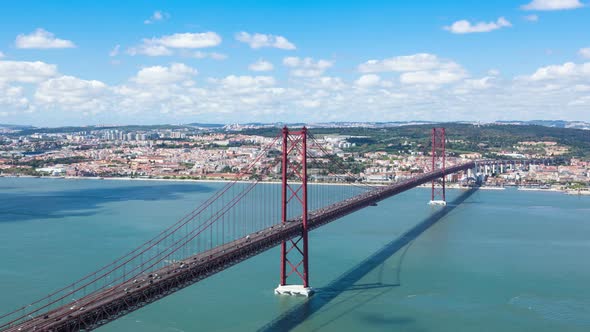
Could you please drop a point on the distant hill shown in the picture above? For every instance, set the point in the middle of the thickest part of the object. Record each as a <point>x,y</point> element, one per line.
<point>335,124</point>
<point>551,123</point>
<point>390,124</point>
<point>464,137</point>
<point>75,129</point>
<point>14,127</point>
<point>386,124</point>
<point>205,125</point>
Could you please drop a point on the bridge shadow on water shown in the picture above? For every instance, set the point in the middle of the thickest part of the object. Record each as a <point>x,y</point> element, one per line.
<point>348,280</point>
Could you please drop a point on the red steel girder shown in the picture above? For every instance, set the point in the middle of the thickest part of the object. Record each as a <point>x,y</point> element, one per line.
<point>295,146</point>
<point>438,163</point>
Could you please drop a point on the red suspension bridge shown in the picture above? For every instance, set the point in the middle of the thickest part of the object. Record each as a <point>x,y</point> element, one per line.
<point>241,220</point>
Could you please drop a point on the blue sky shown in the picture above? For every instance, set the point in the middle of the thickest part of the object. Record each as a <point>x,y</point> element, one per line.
<point>66,62</point>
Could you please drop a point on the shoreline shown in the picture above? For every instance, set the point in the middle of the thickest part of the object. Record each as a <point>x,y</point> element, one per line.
<point>538,189</point>
<point>177,180</point>
<point>456,186</point>
<point>571,192</point>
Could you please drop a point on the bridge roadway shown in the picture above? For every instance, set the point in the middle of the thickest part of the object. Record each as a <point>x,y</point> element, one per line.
<point>111,303</point>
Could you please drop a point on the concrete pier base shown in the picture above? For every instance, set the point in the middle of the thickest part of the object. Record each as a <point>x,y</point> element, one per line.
<point>294,290</point>
<point>443,203</point>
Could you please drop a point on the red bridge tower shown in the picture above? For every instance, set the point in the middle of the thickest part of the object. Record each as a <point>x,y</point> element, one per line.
<point>438,163</point>
<point>294,252</point>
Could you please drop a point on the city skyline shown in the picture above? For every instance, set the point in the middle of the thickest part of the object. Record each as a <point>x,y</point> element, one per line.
<point>88,64</point>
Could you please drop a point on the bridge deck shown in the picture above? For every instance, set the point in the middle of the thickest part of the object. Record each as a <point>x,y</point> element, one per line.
<point>106,305</point>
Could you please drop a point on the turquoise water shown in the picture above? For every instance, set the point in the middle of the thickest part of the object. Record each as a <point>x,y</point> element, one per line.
<point>499,261</point>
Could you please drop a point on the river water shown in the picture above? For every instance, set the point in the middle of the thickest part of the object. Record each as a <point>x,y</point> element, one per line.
<point>491,261</point>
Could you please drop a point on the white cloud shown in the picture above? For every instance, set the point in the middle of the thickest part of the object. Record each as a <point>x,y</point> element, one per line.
<point>26,72</point>
<point>71,93</point>
<point>469,85</point>
<point>531,18</point>
<point>205,55</point>
<point>157,75</point>
<point>416,62</point>
<point>424,87</point>
<point>189,40</point>
<point>150,50</point>
<point>115,51</point>
<point>291,61</point>
<point>421,68</point>
<point>584,52</point>
<point>233,81</point>
<point>435,77</point>
<point>258,40</point>
<point>41,39</point>
<point>12,98</point>
<point>307,67</point>
<point>2,55</point>
<point>217,56</point>
<point>162,46</point>
<point>583,101</point>
<point>368,80</point>
<point>157,16</point>
<point>325,83</point>
<point>261,65</point>
<point>552,5</point>
<point>464,26</point>
<point>568,70</point>
<point>494,72</point>
<point>307,103</point>
<point>582,88</point>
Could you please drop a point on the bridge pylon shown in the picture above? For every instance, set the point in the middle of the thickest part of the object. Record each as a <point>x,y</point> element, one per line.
<point>294,252</point>
<point>438,194</point>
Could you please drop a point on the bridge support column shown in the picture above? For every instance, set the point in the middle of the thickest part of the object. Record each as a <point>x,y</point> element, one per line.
<point>294,252</point>
<point>438,195</point>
